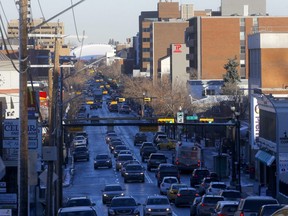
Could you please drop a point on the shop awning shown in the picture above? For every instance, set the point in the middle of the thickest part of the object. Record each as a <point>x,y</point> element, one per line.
<point>265,157</point>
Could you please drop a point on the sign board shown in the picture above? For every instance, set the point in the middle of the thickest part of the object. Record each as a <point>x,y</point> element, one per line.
<point>2,171</point>
<point>166,120</point>
<point>147,99</point>
<point>6,212</point>
<point>11,128</point>
<point>8,198</point>
<point>192,118</point>
<point>148,128</point>
<point>14,143</point>
<point>75,129</point>
<point>180,117</point>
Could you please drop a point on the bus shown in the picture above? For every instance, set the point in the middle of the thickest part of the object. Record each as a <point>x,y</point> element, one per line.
<point>187,157</point>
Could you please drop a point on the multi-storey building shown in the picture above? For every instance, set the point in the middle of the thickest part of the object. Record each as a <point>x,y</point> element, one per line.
<point>243,7</point>
<point>213,40</point>
<point>268,82</point>
<point>42,37</point>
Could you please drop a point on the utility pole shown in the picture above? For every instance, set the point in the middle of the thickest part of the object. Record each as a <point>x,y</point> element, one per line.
<point>53,90</point>
<point>23,188</point>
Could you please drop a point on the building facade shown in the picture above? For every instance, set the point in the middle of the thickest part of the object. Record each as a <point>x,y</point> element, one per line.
<point>213,40</point>
<point>243,7</point>
<point>268,65</point>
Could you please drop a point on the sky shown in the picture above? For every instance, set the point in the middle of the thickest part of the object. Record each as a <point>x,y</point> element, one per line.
<point>110,19</point>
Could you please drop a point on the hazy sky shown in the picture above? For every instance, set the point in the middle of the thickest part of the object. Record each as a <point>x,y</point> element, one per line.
<point>117,19</point>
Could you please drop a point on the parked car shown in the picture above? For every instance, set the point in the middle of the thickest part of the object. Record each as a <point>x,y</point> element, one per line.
<point>102,160</point>
<point>166,183</point>
<point>155,159</point>
<point>208,204</point>
<point>225,208</point>
<point>198,175</point>
<point>164,170</point>
<point>216,187</point>
<point>76,211</point>
<point>134,172</point>
<point>140,138</point>
<point>121,159</point>
<point>185,196</point>
<point>157,205</point>
<point>173,190</point>
<point>252,204</point>
<point>269,209</point>
<point>124,205</point>
<point>110,191</point>
<point>146,151</point>
<point>79,201</point>
<point>81,153</point>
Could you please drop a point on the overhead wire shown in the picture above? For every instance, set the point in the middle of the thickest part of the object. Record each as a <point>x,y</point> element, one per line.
<point>75,25</point>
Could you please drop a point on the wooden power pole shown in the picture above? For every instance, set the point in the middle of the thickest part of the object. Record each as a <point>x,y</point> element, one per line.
<point>23,192</point>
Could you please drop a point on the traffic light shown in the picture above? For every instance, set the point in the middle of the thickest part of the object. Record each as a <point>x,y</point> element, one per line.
<point>166,120</point>
<point>147,99</point>
<point>206,120</point>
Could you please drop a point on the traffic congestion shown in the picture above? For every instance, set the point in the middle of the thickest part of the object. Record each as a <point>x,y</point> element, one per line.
<point>120,170</point>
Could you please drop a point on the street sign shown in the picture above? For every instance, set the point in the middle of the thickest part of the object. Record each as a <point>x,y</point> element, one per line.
<point>147,99</point>
<point>165,120</point>
<point>192,118</point>
<point>180,117</point>
<point>148,128</point>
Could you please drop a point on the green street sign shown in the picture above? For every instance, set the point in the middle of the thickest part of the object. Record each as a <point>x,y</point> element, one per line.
<point>191,118</point>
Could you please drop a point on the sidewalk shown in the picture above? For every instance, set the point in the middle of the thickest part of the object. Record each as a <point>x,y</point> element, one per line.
<point>68,173</point>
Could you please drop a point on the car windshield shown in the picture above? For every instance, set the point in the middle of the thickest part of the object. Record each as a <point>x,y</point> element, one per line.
<point>219,186</point>
<point>187,192</point>
<point>133,167</point>
<point>124,157</point>
<point>177,186</point>
<point>161,157</point>
<point>169,169</point>
<point>171,180</point>
<point>113,188</point>
<point>102,157</point>
<point>231,194</point>
<point>157,201</point>
<point>78,213</point>
<point>123,202</point>
<point>213,200</point>
<point>80,149</point>
<point>78,202</point>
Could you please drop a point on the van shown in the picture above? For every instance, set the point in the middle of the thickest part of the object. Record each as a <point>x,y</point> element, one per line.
<point>251,205</point>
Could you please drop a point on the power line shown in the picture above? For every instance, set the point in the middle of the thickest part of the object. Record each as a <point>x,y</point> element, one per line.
<point>74,19</point>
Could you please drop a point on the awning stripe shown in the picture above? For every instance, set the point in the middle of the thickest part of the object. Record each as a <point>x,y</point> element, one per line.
<point>265,157</point>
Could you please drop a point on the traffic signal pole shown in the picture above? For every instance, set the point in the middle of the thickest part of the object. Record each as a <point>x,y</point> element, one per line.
<point>23,186</point>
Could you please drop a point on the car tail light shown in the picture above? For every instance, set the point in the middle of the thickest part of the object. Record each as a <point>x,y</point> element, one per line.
<point>178,195</point>
<point>220,214</point>
<point>241,214</point>
<point>202,204</point>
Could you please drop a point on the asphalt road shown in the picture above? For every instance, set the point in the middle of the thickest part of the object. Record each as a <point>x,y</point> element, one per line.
<point>90,182</point>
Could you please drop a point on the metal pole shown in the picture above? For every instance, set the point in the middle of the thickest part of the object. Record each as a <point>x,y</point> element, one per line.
<point>238,125</point>
<point>23,188</point>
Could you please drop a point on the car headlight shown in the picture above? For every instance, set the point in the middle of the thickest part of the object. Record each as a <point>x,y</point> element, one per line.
<point>126,173</point>
<point>122,194</point>
<point>149,209</point>
<point>108,161</point>
<point>111,211</point>
<point>168,209</point>
<point>105,195</point>
<point>141,173</point>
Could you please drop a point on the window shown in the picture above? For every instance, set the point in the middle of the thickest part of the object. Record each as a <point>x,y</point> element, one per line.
<point>146,39</point>
<point>243,49</point>
<point>242,35</point>
<point>210,91</point>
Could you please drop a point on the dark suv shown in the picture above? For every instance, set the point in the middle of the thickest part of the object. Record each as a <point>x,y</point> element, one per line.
<point>140,138</point>
<point>125,205</point>
<point>155,159</point>
<point>198,175</point>
<point>166,169</point>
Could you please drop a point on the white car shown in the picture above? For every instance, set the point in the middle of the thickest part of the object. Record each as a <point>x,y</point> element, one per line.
<point>216,187</point>
<point>166,183</point>
<point>157,205</point>
<point>79,140</point>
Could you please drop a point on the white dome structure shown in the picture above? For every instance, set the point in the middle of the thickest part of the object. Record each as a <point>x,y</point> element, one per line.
<point>93,51</point>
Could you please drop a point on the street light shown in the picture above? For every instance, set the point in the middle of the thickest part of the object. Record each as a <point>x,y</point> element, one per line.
<point>237,163</point>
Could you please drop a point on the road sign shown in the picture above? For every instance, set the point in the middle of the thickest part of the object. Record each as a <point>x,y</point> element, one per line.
<point>148,128</point>
<point>180,117</point>
<point>192,118</point>
<point>147,99</point>
<point>165,120</point>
